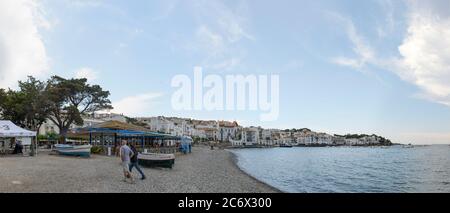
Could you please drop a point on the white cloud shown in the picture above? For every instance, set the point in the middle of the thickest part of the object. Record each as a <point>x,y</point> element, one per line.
<point>425,52</point>
<point>344,61</point>
<point>85,3</point>
<point>120,47</point>
<point>227,64</point>
<point>22,50</point>
<point>364,54</point>
<point>138,105</point>
<point>210,41</point>
<point>386,26</point>
<point>88,73</point>
<point>166,10</point>
<point>220,34</point>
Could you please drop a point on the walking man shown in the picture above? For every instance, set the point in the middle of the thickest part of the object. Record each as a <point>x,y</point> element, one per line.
<point>125,154</point>
<point>134,162</point>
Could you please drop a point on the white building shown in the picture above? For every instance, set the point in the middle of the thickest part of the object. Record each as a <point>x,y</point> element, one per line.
<point>249,137</point>
<point>269,137</point>
<point>227,131</point>
<point>110,117</point>
<point>48,127</point>
<point>158,124</point>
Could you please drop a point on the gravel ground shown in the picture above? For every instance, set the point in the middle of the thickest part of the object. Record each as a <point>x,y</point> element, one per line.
<point>204,170</point>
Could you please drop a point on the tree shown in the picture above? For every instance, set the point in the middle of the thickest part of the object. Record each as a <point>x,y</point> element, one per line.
<point>36,103</point>
<point>2,101</point>
<point>26,107</point>
<point>70,99</point>
<point>136,122</point>
<point>12,107</point>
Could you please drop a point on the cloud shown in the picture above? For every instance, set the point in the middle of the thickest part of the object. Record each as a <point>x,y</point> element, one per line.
<point>167,9</point>
<point>364,54</point>
<point>138,105</point>
<point>221,33</point>
<point>88,73</point>
<point>84,3</point>
<point>22,50</point>
<point>210,41</point>
<point>389,23</point>
<point>227,64</point>
<point>425,54</point>
<point>120,47</point>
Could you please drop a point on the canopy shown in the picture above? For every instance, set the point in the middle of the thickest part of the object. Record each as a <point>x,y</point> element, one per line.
<point>121,129</point>
<point>117,125</point>
<point>9,130</point>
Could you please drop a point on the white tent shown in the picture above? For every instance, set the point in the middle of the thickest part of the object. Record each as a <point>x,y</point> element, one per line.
<point>9,130</point>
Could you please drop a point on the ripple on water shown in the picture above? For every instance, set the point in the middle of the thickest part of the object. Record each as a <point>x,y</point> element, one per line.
<point>346,169</point>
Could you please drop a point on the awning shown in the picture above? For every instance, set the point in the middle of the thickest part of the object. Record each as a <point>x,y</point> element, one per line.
<point>121,129</point>
<point>9,130</point>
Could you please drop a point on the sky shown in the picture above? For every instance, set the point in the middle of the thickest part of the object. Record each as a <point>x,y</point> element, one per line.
<point>348,66</point>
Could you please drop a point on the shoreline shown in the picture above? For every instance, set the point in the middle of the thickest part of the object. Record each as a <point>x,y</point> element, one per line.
<point>234,159</point>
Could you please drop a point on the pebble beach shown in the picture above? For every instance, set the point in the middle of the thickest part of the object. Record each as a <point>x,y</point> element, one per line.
<point>203,171</point>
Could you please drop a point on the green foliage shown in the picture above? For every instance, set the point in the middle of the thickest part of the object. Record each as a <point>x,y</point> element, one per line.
<point>2,100</point>
<point>72,98</point>
<point>197,139</point>
<point>134,121</point>
<point>48,136</point>
<point>96,150</point>
<point>28,107</point>
<point>63,101</point>
<point>382,140</point>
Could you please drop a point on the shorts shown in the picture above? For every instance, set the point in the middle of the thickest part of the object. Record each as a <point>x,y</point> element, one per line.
<point>126,166</point>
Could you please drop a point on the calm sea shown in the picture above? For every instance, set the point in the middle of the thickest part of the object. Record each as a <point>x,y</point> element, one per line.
<point>350,169</point>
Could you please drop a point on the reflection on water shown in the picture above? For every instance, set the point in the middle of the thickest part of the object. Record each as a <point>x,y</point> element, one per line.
<point>350,169</point>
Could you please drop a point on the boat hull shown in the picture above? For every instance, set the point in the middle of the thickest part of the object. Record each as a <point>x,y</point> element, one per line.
<point>156,160</point>
<point>70,150</point>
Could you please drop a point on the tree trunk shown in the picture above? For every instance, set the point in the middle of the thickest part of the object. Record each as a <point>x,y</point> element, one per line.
<point>63,133</point>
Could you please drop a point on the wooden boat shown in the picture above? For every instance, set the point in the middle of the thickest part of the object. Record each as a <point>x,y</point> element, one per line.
<point>74,150</point>
<point>156,160</point>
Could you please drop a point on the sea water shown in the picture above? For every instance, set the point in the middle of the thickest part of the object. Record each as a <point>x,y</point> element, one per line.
<point>350,169</point>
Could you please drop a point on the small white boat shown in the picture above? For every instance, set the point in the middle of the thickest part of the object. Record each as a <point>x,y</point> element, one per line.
<point>408,146</point>
<point>74,150</point>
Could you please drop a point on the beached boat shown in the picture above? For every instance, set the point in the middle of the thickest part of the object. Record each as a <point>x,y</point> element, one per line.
<point>156,160</point>
<point>74,150</point>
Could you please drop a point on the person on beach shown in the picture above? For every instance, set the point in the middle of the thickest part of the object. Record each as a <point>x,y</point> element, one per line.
<point>134,162</point>
<point>18,148</point>
<point>125,155</point>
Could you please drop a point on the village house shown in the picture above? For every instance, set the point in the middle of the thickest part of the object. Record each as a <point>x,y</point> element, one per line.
<point>227,131</point>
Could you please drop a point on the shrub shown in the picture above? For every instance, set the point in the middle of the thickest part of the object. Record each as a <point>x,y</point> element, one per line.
<point>96,150</point>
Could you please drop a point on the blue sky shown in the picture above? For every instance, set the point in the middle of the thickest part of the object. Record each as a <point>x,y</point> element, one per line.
<point>375,66</point>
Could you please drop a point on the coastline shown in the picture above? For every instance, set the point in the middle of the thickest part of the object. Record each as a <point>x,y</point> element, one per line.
<point>202,171</point>
<point>234,159</point>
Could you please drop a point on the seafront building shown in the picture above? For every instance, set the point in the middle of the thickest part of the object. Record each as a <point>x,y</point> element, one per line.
<point>250,136</point>
<point>48,127</point>
<point>229,132</point>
